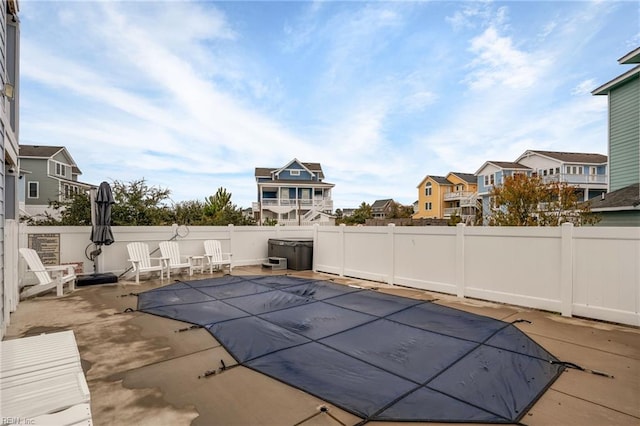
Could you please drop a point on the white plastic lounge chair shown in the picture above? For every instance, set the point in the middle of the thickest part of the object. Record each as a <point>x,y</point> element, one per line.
<point>173,260</point>
<point>141,260</point>
<point>214,257</point>
<point>41,379</point>
<point>48,276</point>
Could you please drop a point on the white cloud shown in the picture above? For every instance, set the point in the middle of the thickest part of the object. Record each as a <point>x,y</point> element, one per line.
<point>584,87</point>
<point>499,62</point>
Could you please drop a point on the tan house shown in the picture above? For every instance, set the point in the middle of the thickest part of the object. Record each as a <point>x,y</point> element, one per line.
<point>431,192</point>
<point>440,197</point>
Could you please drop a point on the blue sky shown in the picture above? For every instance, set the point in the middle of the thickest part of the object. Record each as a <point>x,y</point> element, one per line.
<point>193,96</point>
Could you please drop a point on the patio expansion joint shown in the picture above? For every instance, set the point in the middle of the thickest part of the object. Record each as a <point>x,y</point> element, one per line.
<point>580,345</point>
<point>593,402</point>
<point>122,372</point>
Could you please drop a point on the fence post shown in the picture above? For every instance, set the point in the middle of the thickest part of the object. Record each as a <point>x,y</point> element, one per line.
<point>566,269</point>
<point>315,246</point>
<point>231,228</point>
<point>460,260</point>
<point>341,251</point>
<point>392,252</point>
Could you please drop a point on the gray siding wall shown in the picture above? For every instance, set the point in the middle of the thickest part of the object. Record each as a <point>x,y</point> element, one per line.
<point>3,308</point>
<point>49,188</point>
<point>621,218</point>
<point>624,135</point>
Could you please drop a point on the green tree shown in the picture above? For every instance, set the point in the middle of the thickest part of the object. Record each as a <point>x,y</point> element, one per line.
<point>398,211</point>
<point>454,219</point>
<point>360,215</point>
<point>528,201</point>
<point>218,210</point>
<point>138,204</point>
<point>75,211</point>
<point>189,213</point>
<point>217,202</point>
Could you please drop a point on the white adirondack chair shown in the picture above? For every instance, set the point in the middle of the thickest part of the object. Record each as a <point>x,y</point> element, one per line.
<point>142,261</point>
<point>173,260</point>
<point>214,257</point>
<point>48,276</point>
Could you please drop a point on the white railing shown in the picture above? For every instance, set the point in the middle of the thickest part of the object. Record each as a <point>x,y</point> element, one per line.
<point>305,204</point>
<point>576,179</point>
<point>457,195</point>
<point>586,271</point>
<point>451,211</point>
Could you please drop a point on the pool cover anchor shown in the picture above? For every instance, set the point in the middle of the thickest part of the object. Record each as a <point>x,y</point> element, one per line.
<point>323,409</point>
<point>193,327</point>
<point>580,368</point>
<point>223,367</point>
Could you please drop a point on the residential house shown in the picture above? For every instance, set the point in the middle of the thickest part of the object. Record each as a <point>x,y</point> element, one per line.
<point>493,173</point>
<point>294,194</point>
<point>430,197</point>
<point>347,212</point>
<point>9,182</point>
<point>50,174</point>
<point>586,172</point>
<point>380,209</point>
<point>621,206</point>
<point>461,199</point>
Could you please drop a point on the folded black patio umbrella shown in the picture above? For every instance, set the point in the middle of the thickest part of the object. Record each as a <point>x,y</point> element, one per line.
<point>101,232</point>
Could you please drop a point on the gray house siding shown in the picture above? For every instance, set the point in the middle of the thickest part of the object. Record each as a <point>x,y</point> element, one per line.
<point>620,218</point>
<point>9,73</point>
<point>38,173</point>
<point>624,135</point>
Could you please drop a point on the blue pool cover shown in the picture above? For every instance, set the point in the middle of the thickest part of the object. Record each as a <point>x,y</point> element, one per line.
<point>378,356</point>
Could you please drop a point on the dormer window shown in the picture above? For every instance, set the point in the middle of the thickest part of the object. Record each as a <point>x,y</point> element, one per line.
<point>295,172</point>
<point>60,169</point>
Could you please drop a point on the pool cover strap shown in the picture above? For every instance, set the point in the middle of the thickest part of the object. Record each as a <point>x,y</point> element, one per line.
<point>376,355</point>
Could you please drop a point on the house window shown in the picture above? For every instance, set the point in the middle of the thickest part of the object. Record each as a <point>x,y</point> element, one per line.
<point>574,170</point>
<point>66,191</point>
<point>60,169</point>
<point>427,189</point>
<point>491,179</point>
<point>557,170</point>
<point>486,180</point>
<point>427,205</point>
<point>295,172</point>
<point>34,189</point>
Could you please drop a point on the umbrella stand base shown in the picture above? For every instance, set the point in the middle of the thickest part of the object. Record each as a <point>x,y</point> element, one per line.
<point>91,279</point>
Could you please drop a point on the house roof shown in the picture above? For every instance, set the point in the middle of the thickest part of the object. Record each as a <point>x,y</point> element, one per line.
<point>294,182</point>
<point>508,165</point>
<point>467,177</point>
<point>380,204</point>
<point>632,57</point>
<point>47,151</point>
<point>266,171</point>
<point>572,157</point>
<point>618,81</point>
<point>39,151</point>
<point>627,198</point>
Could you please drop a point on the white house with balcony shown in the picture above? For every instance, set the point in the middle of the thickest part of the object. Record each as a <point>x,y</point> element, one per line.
<point>294,194</point>
<point>586,172</point>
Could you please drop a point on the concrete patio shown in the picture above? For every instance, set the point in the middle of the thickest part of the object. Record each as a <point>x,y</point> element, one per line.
<point>141,370</point>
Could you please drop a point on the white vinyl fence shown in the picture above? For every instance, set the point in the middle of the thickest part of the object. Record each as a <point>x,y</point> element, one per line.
<point>592,272</point>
